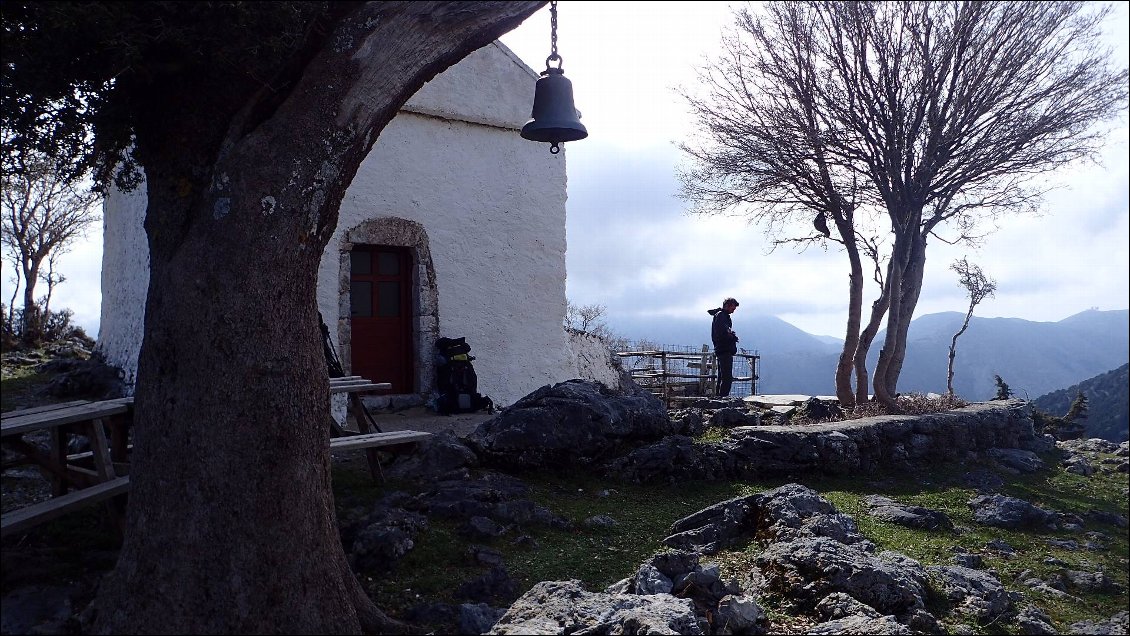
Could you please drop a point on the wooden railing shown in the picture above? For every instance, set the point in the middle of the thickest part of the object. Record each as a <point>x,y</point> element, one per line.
<point>673,375</point>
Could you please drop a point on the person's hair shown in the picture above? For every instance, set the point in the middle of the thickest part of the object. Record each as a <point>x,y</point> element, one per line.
<point>730,301</point>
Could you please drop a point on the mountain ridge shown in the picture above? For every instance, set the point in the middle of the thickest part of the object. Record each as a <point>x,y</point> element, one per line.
<point>1108,403</point>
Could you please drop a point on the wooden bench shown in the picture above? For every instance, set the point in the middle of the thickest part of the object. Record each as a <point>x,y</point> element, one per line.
<point>356,384</point>
<point>372,440</point>
<point>101,477</point>
<point>29,516</point>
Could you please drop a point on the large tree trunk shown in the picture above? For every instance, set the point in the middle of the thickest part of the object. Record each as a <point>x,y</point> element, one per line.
<point>884,393</point>
<point>904,282</point>
<point>30,320</point>
<point>231,525</point>
<point>911,290</point>
<point>855,309</point>
<point>878,310</point>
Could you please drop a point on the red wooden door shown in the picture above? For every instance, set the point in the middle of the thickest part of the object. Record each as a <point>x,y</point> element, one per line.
<point>381,314</point>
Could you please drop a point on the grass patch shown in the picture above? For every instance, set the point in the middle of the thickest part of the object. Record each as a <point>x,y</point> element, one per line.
<point>21,387</point>
<point>599,556</point>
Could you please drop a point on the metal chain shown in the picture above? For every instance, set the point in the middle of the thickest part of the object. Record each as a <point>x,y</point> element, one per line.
<point>553,31</point>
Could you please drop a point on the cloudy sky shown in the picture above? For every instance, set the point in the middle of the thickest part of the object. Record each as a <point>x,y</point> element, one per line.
<point>634,250</point>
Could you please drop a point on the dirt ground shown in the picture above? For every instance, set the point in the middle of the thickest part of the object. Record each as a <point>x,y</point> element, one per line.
<point>421,418</point>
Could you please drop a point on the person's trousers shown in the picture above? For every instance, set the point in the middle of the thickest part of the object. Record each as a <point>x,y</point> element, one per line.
<point>725,373</point>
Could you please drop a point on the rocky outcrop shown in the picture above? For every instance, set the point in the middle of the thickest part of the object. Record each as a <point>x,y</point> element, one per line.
<point>1009,512</point>
<point>867,444</point>
<point>570,423</point>
<point>564,607</point>
<point>906,515</point>
<point>813,561</point>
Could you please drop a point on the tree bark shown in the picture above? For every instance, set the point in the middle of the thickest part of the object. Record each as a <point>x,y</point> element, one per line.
<point>904,280</point>
<point>878,310</point>
<point>911,285</point>
<point>31,320</point>
<point>953,348</point>
<point>231,525</point>
<point>855,309</point>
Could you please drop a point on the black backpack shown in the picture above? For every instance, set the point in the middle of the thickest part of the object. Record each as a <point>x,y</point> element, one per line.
<point>456,379</point>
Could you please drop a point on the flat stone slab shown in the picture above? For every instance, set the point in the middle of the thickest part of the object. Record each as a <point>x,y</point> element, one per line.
<point>769,401</point>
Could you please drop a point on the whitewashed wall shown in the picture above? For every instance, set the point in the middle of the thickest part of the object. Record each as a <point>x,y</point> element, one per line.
<point>492,207</point>
<point>125,280</point>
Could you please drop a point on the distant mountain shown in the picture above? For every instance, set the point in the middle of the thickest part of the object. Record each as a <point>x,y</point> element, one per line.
<point>1108,403</point>
<point>1033,358</point>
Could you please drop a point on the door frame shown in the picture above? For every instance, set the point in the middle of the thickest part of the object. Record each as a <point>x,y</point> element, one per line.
<point>423,292</point>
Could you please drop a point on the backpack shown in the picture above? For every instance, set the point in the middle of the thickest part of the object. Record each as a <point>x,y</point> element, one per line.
<point>457,381</point>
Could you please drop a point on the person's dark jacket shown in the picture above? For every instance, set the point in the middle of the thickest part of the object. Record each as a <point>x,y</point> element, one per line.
<point>721,332</point>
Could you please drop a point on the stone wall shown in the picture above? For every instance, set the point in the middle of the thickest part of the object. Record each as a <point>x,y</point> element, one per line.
<point>853,447</point>
<point>867,444</point>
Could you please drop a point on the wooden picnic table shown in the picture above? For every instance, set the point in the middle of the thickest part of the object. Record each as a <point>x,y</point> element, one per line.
<point>102,473</point>
<point>104,424</point>
<point>354,386</point>
<point>95,475</point>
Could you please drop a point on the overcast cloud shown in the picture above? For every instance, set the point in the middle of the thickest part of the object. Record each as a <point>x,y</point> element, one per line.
<point>633,249</point>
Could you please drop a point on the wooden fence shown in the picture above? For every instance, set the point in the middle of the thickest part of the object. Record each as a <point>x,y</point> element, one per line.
<point>675,373</point>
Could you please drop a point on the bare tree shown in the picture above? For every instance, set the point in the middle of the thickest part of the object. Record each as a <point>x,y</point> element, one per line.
<point>43,213</point>
<point>762,151</point>
<point>52,278</point>
<point>16,280</point>
<point>943,111</point>
<point>582,317</point>
<point>589,319</point>
<point>979,287</point>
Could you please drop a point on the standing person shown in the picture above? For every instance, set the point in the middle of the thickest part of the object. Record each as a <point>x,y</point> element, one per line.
<point>725,343</point>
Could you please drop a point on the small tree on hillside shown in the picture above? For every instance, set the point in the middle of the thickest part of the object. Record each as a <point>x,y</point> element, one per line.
<point>1078,409</point>
<point>1003,392</point>
<point>979,288</point>
<point>43,213</point>
<point>1072,425</point>
<point>582,317</point>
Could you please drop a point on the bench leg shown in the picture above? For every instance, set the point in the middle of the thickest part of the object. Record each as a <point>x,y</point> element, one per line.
<point>118,427</point>
<point>59,458</point>
<point>366,424</point>
<point>101,449</point>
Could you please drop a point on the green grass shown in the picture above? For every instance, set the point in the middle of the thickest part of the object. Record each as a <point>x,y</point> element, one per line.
<point>599,556</point>
<point>22,385</point>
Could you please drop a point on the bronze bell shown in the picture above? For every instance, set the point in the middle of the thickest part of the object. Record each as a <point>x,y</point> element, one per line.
<point>554,119</point>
